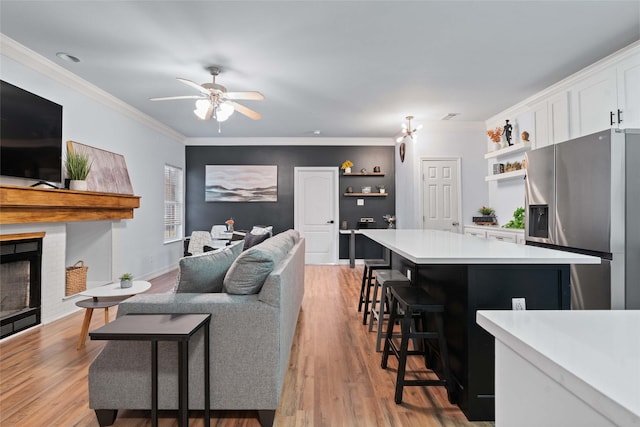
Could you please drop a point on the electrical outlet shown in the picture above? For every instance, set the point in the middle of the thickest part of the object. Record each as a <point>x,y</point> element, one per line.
<point>360,202</point>
<point>518,304</point>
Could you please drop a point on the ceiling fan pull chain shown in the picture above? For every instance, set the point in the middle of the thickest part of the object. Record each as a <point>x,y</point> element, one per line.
<point>219,127</point>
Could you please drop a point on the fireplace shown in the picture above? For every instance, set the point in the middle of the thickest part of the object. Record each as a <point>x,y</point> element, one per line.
<point>20,282</point>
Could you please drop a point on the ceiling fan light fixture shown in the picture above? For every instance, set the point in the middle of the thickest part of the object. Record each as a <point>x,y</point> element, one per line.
<point>202,107</point>
<point>224,111</point>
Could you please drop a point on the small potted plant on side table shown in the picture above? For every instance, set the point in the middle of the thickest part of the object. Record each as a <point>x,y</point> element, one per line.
<point>126,280</point>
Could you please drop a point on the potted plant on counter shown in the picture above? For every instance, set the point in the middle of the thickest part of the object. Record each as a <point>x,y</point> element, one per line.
<point>488,216</point>
<point>78,167</point>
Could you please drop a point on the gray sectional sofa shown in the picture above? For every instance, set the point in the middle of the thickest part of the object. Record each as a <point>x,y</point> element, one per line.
<point>254,298</point>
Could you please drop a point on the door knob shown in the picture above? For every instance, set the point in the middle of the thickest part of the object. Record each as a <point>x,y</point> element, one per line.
<point>455,223</point>
<point>330,222</point>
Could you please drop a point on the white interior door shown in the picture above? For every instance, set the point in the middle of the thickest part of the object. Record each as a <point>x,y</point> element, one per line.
<point>441,194</point>
<point>316,212</point>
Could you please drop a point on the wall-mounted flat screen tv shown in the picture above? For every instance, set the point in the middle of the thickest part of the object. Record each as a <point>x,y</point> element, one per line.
<point>30,135</point>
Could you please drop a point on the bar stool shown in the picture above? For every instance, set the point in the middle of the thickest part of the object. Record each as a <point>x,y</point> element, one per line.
<point>384,279</point>
<point>370,265</point>
<point>416,303</point>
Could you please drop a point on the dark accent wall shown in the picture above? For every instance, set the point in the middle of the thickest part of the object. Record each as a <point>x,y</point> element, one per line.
<point>201,215</point>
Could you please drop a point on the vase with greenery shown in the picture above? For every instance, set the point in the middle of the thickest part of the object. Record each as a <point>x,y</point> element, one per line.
<point>78,167</point>
<point>126,280</point>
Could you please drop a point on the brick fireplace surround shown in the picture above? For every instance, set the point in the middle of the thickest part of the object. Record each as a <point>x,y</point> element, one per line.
<point>27,210</point>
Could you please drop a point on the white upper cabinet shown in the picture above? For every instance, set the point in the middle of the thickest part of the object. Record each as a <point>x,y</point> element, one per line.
<point>594,103</point>
<point>609,98</point>
<point>551,120</point>
<point>629,92</point>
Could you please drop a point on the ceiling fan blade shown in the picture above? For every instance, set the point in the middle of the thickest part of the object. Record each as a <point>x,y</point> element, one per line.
<point>169,98</point>
<point>252,96</point>
<point>194,85</point>
<point>246,111</point>
<point>209,112</point>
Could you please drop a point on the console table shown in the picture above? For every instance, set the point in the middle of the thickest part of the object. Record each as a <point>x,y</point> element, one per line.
<point>164,327</point>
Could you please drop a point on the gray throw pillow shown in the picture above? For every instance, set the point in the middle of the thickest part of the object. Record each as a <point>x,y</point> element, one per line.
<point>251,240</point>
<point>249,271</point>
<point>205,272</point>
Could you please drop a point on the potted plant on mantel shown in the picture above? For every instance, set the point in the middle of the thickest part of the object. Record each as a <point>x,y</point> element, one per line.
<point>78,167</point>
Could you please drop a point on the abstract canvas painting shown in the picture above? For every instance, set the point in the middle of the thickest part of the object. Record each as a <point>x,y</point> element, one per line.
<point>241,183</point>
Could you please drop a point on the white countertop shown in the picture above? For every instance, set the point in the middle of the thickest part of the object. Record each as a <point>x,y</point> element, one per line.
<point>494,228</point>
<point>593,354</point>
<point>443,247</point>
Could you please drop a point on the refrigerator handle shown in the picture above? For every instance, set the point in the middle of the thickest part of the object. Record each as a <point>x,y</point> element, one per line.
<point>611,118</point>
<point>619,115</point>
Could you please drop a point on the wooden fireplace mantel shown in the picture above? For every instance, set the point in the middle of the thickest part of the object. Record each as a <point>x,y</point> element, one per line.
<point>22,205</point>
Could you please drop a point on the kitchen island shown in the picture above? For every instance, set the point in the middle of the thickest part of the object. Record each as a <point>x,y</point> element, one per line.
<point>467,274</point>
<point>566,368</point>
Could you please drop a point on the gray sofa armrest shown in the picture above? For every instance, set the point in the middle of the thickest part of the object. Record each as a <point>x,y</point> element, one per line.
<point>245,336</point>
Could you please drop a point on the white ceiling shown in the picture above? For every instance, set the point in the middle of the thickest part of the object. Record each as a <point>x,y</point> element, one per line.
<point>346,68</point>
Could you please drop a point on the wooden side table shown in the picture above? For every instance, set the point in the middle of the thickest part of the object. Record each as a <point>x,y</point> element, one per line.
<point>104,297</point>
<point>164,327</point>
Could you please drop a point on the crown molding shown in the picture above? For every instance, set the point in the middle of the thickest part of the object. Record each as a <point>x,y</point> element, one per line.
<point>27,57</point>
<point>309,141</point>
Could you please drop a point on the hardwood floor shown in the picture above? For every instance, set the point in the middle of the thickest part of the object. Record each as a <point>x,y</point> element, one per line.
<point>334,376</point>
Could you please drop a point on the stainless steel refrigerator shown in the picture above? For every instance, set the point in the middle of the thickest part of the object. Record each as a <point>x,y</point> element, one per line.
<point>583,195</point>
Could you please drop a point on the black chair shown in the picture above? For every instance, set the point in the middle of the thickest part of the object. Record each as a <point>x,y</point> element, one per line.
<point>368,281</point>
<point>411,304</point>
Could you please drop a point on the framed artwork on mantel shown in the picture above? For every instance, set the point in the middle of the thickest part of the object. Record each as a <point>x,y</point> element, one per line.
<point>109,172</point>
<point>241,183</point>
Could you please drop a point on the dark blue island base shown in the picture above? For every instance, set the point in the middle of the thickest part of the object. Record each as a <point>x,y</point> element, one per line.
<point>466,288</point>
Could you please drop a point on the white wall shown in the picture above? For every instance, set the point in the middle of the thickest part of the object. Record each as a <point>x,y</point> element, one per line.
<point>446,139</point>
<point>146,148</point>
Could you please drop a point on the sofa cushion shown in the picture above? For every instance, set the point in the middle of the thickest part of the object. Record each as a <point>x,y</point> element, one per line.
<point>249,271</point>
<point>251,240</point>
<point>205,272</point>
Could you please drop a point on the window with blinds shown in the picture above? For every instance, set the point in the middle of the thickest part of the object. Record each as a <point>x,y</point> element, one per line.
<point>172,203</point>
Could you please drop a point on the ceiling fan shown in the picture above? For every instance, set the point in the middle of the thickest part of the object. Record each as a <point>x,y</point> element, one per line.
<point>214,100</point>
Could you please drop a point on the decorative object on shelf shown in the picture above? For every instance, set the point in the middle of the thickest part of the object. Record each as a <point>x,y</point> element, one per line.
<point>349,189</point>
<point>403,150</point>
<point>344,225</point>
<point>488,216</point>
<point>363,170</point>
<point>524,136</point>
<point>381,188</point>
<point>78,166</point>
<point>126,280</point>
<point>518,219</point>
<point>507,132</point>
<point>230,223</point>
<point>510,167</point>
<point>390,219</point>
<point>76,278</point>
<point>376,169</point>
<point>498,168</point>
<point>495,135</point>
<point>408,130</point>
<point>346,166</point>
<point>366,190</point>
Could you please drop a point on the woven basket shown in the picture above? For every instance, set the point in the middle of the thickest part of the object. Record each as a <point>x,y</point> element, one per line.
<point>76,278</point>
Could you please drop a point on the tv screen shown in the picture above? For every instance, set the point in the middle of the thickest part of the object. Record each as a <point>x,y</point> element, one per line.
<point>30,135</point>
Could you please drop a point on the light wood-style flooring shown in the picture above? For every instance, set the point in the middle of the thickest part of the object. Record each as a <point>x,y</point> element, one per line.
<point>334,376</point>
